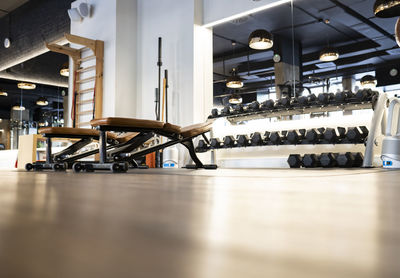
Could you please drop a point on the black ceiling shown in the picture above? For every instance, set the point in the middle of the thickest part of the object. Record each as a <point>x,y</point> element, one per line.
<point>364,42</point>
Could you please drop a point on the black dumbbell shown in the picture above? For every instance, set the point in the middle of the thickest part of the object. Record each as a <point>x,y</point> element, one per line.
<point>332,136</point>
<point>348,160</point>
<point>294,161</point>
<point>294,137</point>
<point>275,138</point>
<point>266,136</point>
<point>229,141</point>
<point>226,110</point>
<point>267,105</point>
<point>215,143</point>
<point>303,101</point>
<point>285,102</point>
<point>313,136</point>
<point>328,160</point>
<point>254,106</point>
<point>238,109</point>
<point>325,98</point>
<point>310,161</point>
<point>312,98</point>
<point>256,139</point>
<point>356,134</point>
<point>343,96</point>
<point>202,146</point>
<point>214,113</point>
<point>243,141</point>
<point>364,95</point>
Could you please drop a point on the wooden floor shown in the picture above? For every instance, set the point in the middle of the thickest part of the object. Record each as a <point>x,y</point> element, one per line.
<point>217,224</point>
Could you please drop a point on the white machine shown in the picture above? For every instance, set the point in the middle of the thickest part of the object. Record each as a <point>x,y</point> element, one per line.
<point>391,142</point>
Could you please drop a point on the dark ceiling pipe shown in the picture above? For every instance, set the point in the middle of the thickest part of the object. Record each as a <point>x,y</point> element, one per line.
<point>365,20</point>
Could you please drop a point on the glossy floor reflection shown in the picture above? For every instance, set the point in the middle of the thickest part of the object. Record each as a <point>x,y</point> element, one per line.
<point>182,223</point>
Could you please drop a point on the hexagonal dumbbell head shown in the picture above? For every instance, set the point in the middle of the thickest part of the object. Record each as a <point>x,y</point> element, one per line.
<point>324,98</point>
<point>226,111</point>
<point>275,138</point>
<point>229,141</point>
<point>285,101</point>
<point>358,159</point>
<point>215,143</point>
<point>353,135</point>
<point>330,135</point>
<point>328,160</point>
<point>254,106</point>
<point>310,161</point>
<point>294,137</point>
<point>268,105</point>
<point>362,95</point>
<point>239,108</point>
<point>312,98</point>
<point>294,161</point>
<point>313,136</point>
<point>303,101</point>
<point>345,160</point>
<point>214,113</point>
<point>256,139</point>
<point>243,141</point>
<point>202,146</point>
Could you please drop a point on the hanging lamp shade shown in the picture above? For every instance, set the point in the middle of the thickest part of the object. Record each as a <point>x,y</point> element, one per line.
<point>368,81</point>
<point>397,31</point>
<point>42,101</point>
<point>329,54</point>
<point>234,81</point>
<point>235,99</point>
<point>260,40</point>
<point>18,107</point>
<point>3,94</point>
<point>26,86</point>
<point>64,71</point>
<point>387,8</point>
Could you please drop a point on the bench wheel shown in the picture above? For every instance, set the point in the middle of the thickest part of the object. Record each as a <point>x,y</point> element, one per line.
<point>28,166</point>
<point>77,167</point>
<point>119,167</point>
<point>58,167</point>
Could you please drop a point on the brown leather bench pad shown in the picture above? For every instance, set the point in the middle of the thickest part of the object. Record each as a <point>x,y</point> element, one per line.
<point>196,129</point>
<point>69,131</point>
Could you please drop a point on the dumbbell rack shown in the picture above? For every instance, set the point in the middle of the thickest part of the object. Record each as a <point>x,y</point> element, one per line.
<point>254,112</point>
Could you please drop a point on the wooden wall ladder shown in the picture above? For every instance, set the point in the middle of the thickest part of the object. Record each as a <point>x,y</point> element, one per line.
<point>87,73</point>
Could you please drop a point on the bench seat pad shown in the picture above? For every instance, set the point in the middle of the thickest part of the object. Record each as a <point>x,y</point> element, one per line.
<point>127,122</point>
<point>69,131</point>
<point>196,129</point>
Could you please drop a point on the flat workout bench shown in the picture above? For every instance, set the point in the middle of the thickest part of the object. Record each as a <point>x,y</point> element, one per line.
<point>62,160</point>
<point>145,129</point>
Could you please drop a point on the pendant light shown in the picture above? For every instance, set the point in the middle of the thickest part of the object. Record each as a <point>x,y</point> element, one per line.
<point>234,81</point>
<point>368,81</point>
<point>64,71</point>
<point>42,101</point>
<point>329,54</point>
<point>18,107</point>
<point>26,86</point>
<point>387,8</point>
<point>3,94</point>
<point>260,40</point>
<point>235,99</point>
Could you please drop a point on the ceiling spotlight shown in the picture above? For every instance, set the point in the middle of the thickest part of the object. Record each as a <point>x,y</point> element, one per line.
<point>234,81</point>
<point>387,8</point>
<point>64,71</point>
<point>235,99</point>
<point>368,81</point>
<point>329,54</point>
<point>260,40</point>
<point>3,94</point>
<point>7,42</point>
<point>42,101</point>
<point>26,86</point>
<point>18,107</point>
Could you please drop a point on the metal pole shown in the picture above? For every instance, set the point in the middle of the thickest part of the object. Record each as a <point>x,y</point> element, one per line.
<point>166,95</point>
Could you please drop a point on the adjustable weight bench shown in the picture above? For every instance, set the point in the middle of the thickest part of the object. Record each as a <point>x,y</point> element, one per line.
<point>64,159</point>
<point>117,162</point>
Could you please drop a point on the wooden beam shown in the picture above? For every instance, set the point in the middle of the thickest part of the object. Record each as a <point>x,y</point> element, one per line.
<point>99,52</point>
<point>74,53</point>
